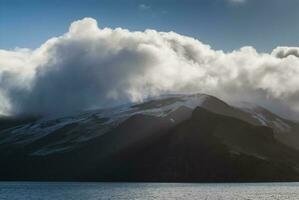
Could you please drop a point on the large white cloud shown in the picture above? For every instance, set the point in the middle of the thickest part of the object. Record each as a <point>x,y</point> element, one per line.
<point>92,67</point>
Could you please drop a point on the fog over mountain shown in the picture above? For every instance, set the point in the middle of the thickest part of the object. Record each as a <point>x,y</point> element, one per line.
<point>90,67</point>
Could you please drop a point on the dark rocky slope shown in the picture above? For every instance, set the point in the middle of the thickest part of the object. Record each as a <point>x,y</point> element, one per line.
<point>198,147</point>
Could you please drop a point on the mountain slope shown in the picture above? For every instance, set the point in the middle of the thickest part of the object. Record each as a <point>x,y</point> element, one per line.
<point>172,138</point>
<point>205,148</point>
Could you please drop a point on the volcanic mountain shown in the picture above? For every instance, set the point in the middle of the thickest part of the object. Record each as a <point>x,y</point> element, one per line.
<point>178,138</point>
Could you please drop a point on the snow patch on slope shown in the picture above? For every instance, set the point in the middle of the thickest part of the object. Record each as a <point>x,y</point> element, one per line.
<point>264,117</point>
<point>91,124</point>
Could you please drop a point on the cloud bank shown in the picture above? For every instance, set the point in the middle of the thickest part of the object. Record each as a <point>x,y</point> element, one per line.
<point>237,1</point>
<point>91,67</point>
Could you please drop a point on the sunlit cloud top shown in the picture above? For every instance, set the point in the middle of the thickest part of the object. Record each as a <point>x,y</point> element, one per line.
<point>90,67</point>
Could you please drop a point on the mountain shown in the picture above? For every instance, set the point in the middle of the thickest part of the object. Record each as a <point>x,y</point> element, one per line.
<point>171,138</point>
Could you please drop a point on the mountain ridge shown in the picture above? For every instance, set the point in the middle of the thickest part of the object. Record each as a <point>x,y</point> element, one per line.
<point>90,145</point>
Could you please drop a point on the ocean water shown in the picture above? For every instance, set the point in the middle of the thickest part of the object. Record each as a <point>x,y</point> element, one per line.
<point>143,191</point>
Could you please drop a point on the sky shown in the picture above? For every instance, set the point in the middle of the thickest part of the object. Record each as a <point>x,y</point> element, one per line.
<point>60,57</point>
<point>223,24</point>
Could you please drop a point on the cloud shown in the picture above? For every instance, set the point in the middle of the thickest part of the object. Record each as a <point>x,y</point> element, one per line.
<point>283,52</point>
<point>144,7</point>
<point>237,1</point>
<point>91,67</point>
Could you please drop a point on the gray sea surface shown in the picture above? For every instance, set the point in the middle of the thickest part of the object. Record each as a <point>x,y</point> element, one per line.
<point>143,191</point>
